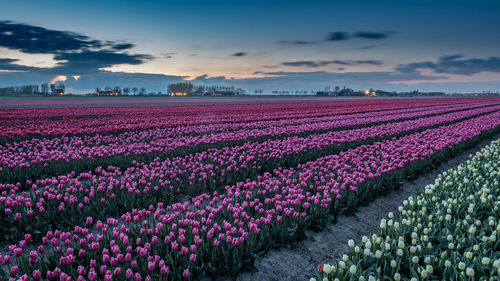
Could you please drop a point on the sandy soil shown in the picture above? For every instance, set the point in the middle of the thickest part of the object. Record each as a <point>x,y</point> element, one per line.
<point>299,262</point>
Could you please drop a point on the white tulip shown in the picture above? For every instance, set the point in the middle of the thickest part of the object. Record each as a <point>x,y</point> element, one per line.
<point>350,243</point>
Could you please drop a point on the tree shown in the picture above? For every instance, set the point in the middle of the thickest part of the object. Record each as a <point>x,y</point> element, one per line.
<point>45,88</point>
<point>117,89</point>
<point>134,90</point>
<point>346,92</point>
<point>182,87</point>
<point>52,88</point>
<point>108,89</point>
<point>142,91</point>
<point>126,90</point>
<point>240,91</point>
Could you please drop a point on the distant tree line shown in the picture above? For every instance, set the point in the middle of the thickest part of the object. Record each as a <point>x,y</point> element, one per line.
<point>43,89</point>
<point>286,92</point>
<point>337,92</point>
<point>188,89</point>
<point>119,91</point>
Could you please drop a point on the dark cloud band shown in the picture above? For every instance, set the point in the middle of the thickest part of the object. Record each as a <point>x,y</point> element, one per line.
<point>75,53</point>
<point>453,64</point>
<point>323,63</point>
<point>341,35</point>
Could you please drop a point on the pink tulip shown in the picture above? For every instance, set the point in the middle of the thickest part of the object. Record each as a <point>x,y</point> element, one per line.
<point>186,274</point>
<point>37,274</point>
<point>129,274</point>
<point>92,275</point>
<point>117,271</point>
<point>164,270</point>
<point>14,270</point>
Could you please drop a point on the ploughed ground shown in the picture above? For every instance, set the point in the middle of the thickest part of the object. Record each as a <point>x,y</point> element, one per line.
<point>298,262</point>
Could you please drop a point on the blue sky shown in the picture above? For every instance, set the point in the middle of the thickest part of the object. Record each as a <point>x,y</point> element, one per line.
<point>254,44</point>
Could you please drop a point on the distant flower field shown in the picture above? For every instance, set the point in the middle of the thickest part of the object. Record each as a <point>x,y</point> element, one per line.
<point>182,192</point>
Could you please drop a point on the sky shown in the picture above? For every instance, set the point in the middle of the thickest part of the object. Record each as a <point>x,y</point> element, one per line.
<point>403,45</point>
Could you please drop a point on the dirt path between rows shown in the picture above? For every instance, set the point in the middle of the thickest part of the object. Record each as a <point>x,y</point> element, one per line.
<point>299,262</point>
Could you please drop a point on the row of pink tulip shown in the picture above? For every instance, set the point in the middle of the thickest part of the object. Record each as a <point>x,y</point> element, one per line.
<point>115,119</point>
<point>221,233</point>
<point>31,122</point>
<point>66,199</point>
<point>26,153</point>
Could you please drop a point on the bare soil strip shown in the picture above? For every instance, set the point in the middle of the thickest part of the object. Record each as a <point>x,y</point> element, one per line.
<point>300,261</point>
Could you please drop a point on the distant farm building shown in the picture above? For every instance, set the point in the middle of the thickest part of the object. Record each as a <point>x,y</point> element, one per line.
<point>179,94</point>
<point>220,94</point>
<point>58,92</point>
<point>108,93</point>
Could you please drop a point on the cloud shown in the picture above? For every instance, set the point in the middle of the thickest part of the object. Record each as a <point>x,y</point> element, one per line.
<point>9,65</point>
<point>454,64</point>
<point>371,35</point>
<point>372,62</point>
<point>323,63</point>
<point>168,55</point>
<point>122,46</point>
<point>338,36</point>
<point>298,42</point>
<point>90,61</point>
<point>58,78</point>
<point>76,54</point>
<point>38,40</point>
<point>373,46</point>
<point>342,35</point>
<point>450,57</point>
<point>301,63</point>
<point>369,76</point>
<point>205,79</point>
<point>239,54</point>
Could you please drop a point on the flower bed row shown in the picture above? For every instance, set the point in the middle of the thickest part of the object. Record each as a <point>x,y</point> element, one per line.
<point>64,201</point>
<point>449,232</point>
<point>39,151</point>
<point>34,122</point>
<point>24,160</point>
<point>222,233</point>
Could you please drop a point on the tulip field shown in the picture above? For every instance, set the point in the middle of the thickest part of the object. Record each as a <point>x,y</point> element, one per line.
<point>186,192</point>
